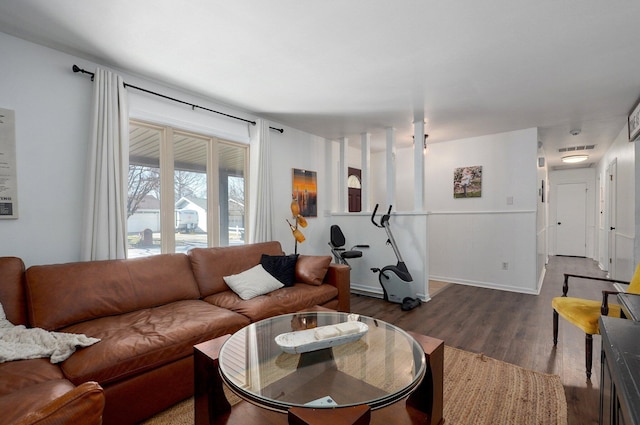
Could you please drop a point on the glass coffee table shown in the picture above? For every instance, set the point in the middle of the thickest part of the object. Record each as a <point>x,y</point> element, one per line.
<point>276,369</point>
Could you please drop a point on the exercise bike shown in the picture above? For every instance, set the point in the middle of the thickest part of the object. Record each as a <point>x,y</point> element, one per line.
<point>395,279</point>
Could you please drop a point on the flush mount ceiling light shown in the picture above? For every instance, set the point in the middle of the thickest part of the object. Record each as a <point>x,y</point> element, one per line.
<point>573,159</point>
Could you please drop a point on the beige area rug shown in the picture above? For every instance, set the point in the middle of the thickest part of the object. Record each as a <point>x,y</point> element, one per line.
<point>478,390</point>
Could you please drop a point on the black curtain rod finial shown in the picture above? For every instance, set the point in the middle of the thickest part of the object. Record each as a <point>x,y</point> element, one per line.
<point>76,68</point>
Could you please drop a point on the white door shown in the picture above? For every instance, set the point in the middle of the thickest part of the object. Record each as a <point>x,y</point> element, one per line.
<point>571,218</point>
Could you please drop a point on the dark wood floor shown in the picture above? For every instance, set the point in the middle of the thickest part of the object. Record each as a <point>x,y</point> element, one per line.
<point>512,327</point>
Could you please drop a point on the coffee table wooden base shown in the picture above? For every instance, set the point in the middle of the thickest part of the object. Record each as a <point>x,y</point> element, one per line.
<point>423,406</point>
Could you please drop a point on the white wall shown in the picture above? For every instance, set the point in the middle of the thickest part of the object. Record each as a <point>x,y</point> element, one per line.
<point>577,175</point>
<point>623,153</point>
<point>404,179</point>
<point>52,107</point>
<point>296,149</point>
<point>470,240</point>
<point>462,240</point>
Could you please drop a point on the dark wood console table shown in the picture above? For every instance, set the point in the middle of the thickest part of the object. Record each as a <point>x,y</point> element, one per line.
<point>630,304</point>
<point>620,372</point>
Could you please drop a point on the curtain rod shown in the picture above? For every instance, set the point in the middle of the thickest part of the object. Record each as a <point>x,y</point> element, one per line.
<point>76,68</point>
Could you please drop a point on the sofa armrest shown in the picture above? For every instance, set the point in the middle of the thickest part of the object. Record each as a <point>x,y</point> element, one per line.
<point>83,404</point>
<point>339,275</point>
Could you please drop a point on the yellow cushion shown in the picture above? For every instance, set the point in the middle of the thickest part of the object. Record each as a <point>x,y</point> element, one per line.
<point>634,285</point>
<point>582,313</point>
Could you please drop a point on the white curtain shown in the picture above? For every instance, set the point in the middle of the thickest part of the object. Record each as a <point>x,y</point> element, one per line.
<point>104,232</point>
<point>263,227</point>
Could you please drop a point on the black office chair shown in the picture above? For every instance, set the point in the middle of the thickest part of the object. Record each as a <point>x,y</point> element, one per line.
<point>337,243</point>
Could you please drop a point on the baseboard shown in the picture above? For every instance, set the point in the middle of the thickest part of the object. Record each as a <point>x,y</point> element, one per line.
<point>487,285</point>
<point>375,293</point>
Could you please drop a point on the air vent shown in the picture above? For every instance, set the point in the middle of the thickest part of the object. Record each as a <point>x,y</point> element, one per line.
<point>577,148</point>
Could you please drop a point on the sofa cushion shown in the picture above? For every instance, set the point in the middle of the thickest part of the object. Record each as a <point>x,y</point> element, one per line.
<point>211,265</point>
<point>25,373</point>
<point>311,269</point>
<point>135,342</point>
<point>281,301</point>
<point>253,282</point>
<point>106,288</point>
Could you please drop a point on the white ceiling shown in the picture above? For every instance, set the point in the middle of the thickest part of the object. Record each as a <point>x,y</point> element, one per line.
<point>338,68</point>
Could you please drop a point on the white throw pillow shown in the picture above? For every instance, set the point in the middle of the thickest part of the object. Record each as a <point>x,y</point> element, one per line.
<point>253,282</point>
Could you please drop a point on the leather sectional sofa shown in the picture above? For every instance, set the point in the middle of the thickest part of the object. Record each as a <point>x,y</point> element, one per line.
<point>149,313</point>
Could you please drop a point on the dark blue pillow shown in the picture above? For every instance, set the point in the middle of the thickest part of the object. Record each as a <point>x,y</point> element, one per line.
<point>282,267</point>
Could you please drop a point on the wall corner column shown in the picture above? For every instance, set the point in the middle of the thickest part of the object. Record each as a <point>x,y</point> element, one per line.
<point>391,166</point>
<point>365,149</point>
<point>418,165</point>
<point>343,190</point>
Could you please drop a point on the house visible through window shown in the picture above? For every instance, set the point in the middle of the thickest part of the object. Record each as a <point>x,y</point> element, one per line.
<point>185,190</point>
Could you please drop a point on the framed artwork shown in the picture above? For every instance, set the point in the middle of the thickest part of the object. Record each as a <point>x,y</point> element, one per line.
<point>467,182</point>
<point>634,122</point>
<point>305,191</point>
<point>8,172</point>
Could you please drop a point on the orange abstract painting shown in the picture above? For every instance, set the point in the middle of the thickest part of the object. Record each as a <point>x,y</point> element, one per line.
<point>305,191</point>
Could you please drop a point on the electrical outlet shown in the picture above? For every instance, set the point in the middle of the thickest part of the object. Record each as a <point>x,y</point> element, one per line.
<point>505,266</point>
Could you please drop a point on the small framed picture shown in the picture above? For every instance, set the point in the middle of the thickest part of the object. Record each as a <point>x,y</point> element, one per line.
<point>467,182</point>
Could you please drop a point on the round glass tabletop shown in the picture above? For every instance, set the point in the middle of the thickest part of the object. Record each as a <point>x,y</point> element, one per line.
<point>377,368</point>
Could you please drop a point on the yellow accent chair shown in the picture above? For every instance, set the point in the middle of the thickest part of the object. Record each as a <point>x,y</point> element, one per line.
<point>585,314</point>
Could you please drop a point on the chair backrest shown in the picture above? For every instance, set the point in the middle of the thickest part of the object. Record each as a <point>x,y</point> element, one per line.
<point>634,285</point>
<point>337,237</point>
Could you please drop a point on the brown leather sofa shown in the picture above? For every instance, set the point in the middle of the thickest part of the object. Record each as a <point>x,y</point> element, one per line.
<point>149,313</point>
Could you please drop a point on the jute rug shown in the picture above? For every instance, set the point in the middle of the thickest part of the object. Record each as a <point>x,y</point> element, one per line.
<point>478,390</point>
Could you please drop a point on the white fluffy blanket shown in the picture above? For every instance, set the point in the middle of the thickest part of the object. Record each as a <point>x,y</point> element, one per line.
<point>19,342</point>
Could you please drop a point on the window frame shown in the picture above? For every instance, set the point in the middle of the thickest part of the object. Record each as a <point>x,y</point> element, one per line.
<point>166,162</point>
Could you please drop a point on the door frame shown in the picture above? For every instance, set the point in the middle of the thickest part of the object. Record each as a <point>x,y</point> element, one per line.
<point>610,216</point>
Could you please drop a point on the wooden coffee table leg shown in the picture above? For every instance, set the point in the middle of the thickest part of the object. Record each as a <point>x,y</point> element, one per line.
<point>211,405</point>
<point>428,396</point>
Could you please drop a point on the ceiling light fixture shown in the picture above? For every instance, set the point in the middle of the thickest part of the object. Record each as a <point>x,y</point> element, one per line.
<point>574,159</point>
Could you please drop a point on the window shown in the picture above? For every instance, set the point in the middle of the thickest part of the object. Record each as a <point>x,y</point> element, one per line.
<point>185,190</point>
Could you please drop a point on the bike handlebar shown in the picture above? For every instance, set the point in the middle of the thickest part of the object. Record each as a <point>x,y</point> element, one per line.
<point>373,216</point>
<point>385,218</point>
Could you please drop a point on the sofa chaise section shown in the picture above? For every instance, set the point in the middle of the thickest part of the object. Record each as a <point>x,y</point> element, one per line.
<point>147,313</point>
<point>34,390</point>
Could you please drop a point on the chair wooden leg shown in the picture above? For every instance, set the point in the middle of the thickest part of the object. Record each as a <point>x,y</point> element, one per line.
<point>555,327</point>
<point>589,353</point>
